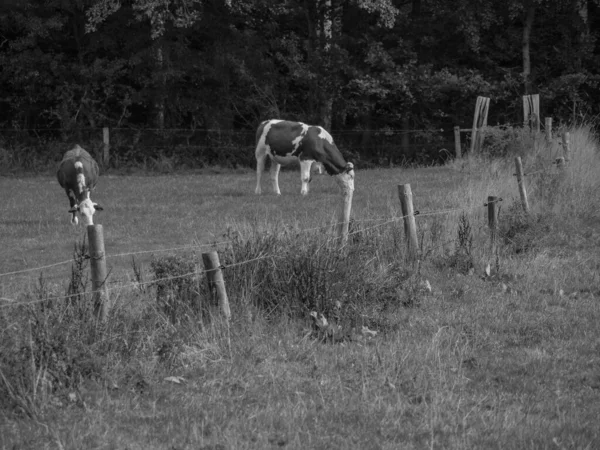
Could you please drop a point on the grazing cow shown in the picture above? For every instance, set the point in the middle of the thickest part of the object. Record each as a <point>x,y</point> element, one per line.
<point>78,175</point>
<point>285,142</point>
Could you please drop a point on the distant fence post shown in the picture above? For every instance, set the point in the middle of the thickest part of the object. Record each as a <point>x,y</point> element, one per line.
<point>105,146</point>
<point>216,283</point>
<point>479,123</point>
<point>492,205</point>
<point>410,226</point>
<point>531,112</point>
<point>566,146</point>
<point>548,127</point>
<point>457,145</point>
<point>520,181</point>
<point>98,271</point>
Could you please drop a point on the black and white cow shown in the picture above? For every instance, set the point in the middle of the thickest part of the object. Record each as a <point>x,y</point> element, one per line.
<point>286,142</point>
<point>78,175</point>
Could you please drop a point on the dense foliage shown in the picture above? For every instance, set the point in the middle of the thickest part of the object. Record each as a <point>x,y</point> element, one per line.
<point>346,64</point>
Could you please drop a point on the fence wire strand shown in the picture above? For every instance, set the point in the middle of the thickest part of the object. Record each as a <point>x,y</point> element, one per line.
<point>13,302</point>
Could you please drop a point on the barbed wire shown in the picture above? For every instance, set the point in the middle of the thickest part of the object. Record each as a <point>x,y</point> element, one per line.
<point>13,302</point>
<point>192,246</point>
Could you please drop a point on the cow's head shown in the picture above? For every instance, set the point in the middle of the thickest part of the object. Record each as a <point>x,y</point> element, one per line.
<point>346,178</point>
<point>86,209</point>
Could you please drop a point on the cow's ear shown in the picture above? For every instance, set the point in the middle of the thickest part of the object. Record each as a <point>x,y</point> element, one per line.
<point>97,207</point>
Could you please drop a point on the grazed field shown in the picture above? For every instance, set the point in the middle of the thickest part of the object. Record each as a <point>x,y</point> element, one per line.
<point>506,361</point>
<point>144,213</point>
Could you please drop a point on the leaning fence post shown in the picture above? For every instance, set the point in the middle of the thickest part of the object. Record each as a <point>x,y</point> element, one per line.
<point>98,271</point>
<point>105,146</point>
<point>457,146</point>
<point>410,226</point>
<point>216,283</point>
<point>566,146</point>
<point>492,205</point>
<point>520,181</point>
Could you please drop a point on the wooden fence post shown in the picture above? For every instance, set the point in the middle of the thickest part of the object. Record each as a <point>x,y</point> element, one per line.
<point>98,271</point>
<point>531,112</point>
<point>479,123</point>
<point>548,127</point>
<point>492,205</point>
<point>105,146</point>
<point>410,226</point>
<point>566,146</point>
<point>216,283</point>
<point>520,181</point>
<point>457,145</point>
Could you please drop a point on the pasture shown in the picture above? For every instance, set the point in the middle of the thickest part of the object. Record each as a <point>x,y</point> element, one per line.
<point>505,359</point>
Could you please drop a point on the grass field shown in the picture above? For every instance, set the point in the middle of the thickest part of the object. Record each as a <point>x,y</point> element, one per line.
<point>508,360</point>
<point>144,213</point>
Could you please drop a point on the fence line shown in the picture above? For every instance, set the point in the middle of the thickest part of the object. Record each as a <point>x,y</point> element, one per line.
<point>14,302</point>
<point>118,255</point>
<point>387,221</point>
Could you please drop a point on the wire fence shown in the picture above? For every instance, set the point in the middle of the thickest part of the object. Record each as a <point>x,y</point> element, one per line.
<point>385,221</point>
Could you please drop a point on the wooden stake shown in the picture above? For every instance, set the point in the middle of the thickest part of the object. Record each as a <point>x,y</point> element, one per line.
<point>531,112</point>
<point>216,283</point>
<point>457,145</point>
<point>479,123</point>
<point>492,205</point>
<point>520,181</point>
<point>410,226</point>
<point>548,126</point>
<point>98,271</point>
<point>106,146</point>
<point>475,121</point>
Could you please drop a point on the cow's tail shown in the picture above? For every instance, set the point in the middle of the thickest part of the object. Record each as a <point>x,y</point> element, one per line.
<point>80,177</point>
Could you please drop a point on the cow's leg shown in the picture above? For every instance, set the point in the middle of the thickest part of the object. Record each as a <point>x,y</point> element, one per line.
<point>72,206</point>
<point>274,172</point>
<point>261,156</point>
<point>305,175</point>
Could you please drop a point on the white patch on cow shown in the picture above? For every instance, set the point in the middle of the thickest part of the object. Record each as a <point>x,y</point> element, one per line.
<point>80,177</point>
<point>323,134</point>
<point>87,210</point>
<point>296,142</point>
<point>263,136</point>
<point>262,150</point>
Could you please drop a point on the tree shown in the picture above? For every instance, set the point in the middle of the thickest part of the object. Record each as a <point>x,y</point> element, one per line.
<point>160,14</point>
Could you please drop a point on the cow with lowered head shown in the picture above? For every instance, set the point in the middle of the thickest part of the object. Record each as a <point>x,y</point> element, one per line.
<point>78,175</point>
<point>286,142</point>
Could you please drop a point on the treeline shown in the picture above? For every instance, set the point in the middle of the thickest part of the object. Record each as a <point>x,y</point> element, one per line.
<point>345,64</point>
